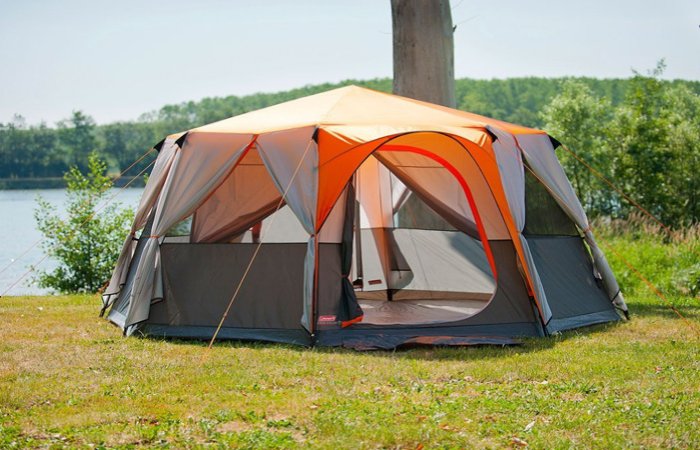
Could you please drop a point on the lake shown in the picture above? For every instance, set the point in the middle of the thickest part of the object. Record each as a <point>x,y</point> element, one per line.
<point>19,233</point>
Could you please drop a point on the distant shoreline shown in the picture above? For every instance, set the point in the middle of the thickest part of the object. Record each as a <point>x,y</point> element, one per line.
<point>14,184</point>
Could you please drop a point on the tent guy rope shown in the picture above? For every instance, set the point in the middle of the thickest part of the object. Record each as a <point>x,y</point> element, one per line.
<point>653,288</point>
<point>257,248</point>
<point>634,203</point>
<point>602,177</point>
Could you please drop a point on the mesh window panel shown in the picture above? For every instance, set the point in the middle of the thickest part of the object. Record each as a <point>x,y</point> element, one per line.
<point>182,228</point>
<point>543,216</point>
<point>414,213</point>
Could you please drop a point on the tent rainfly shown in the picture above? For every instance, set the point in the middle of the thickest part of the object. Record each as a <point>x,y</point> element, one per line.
<point>363,219</point>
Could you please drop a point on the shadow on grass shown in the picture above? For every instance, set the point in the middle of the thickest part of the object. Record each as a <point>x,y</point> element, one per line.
<point>472,352</point>
<point>689,309</point>
<point>417,352</point>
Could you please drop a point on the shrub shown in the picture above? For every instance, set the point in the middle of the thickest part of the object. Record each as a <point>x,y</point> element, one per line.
<point>87,242</point>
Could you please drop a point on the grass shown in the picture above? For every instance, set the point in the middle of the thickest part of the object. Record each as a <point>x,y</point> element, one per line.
<point>70,380</point>
<point>671,261</point>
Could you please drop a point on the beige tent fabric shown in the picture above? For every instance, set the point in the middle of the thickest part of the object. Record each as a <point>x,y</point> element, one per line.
<point>352,105</point>
<point>539,153</point>
<point>358,106</point>
<point>431,179</point>
<point>148,199</point>
<point>198,169</point>
<point>249,196</point>
<point>203,163</point>
<point>156,180</point>
<point>368,133</point>
<point>373,191</point>
<point>510,166</point>
<point>291,157</point>
<point>246,197</point>
<point>121,270</point>
<point>443,187</point>
<point>332,229</point>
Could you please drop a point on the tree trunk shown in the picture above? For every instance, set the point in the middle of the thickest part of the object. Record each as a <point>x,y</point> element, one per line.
<point>424,50</point>
<point>424,70</point>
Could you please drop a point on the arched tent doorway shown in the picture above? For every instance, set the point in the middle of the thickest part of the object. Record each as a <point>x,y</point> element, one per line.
<point>418,257</point>
<point>440,171</point>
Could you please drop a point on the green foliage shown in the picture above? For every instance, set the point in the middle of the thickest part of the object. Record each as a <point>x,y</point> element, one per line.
<point>122,143</point>
<point>640,152</point>
<point>88,241</point>
<point>516,100</point>
<point>648,145</point>
<point>28,152</point>
<point>579,117</point>
<point>76,136</point>
<point>671,262</point>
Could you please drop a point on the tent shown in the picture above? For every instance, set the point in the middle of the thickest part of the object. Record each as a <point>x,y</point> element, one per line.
<point>358,218</point>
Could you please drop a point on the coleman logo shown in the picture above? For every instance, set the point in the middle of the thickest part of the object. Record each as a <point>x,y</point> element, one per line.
<point>326,318</point>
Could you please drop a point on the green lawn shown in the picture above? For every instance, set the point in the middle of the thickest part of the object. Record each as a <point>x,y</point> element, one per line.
<point>69,379</point>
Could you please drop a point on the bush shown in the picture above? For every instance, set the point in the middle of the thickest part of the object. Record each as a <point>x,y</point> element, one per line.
<point>87,242</point>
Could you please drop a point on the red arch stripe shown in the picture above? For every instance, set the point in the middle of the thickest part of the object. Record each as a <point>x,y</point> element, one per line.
<point>462,182</point>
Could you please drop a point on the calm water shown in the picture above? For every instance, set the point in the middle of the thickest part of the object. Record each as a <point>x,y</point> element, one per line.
<point>18,232</point>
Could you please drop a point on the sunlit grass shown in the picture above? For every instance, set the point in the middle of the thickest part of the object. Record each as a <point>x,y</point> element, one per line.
<point>69,379</point>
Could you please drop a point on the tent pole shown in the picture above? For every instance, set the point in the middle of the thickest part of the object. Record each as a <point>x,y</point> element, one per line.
<point>358,237</point>
<point>314,295</point>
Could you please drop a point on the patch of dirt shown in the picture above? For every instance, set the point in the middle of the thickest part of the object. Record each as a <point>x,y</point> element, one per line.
<point>235,426</point>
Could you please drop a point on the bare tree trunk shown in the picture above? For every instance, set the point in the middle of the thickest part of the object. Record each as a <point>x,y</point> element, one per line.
<point>424,50</point>
<point>424,70</point>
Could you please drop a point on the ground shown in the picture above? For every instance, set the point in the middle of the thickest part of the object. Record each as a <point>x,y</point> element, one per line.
<point>69,379</point>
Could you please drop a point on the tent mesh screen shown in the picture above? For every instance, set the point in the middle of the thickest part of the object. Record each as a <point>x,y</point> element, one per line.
<point>543,216</point>
<point>416,214</point>
<point>182,228</point>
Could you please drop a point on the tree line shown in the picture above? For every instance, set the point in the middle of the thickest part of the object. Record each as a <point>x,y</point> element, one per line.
<point>641,131</point>
<point>647,145</point>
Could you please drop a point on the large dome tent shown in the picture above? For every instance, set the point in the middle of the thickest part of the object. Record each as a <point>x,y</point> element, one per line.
<point>364,219</point>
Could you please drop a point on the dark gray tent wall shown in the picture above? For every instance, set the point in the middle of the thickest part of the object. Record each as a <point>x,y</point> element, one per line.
<point>576,297</point>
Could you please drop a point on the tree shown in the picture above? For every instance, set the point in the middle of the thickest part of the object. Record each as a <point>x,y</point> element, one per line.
<point>423,65</point>
<point>424,50</point>
<point>87,242</point>
<point>647,145</point>
<point>579,118</point>
<point>77,139</point>
<point>654,143</point>
<point>684,141</point>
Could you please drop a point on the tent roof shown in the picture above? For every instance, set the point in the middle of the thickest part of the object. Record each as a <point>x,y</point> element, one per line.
<point>353,105</point>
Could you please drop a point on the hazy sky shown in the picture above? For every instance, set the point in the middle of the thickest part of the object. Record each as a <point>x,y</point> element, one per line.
<point>118,59</point>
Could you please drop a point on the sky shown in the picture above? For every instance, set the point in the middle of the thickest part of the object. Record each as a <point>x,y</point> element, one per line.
<point>115,60</point>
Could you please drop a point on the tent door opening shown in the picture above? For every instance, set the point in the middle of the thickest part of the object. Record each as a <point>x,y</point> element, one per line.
<point>411,265</point>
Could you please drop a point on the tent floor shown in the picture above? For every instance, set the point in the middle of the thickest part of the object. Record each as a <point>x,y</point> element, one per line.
<point>417,311</point>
